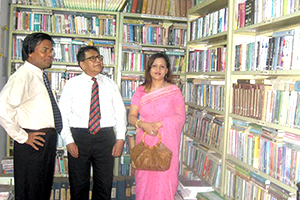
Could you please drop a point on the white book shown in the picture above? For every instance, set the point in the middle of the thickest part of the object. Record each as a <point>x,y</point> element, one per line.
<point>190,188</point>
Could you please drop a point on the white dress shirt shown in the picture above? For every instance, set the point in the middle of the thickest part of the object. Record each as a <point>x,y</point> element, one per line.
<point>25,103</point>
<point>75,101</point>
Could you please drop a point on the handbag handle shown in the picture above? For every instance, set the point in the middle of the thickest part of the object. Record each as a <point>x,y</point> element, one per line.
<point>151,147</point>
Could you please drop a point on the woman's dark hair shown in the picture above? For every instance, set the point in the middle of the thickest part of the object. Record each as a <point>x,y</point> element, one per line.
<point>148,79</point>
<point>82,50</point>
<point>31,41</point>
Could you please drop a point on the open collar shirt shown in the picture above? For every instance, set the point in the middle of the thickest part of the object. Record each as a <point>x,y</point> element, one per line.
<point>25,103</point>
<point>75,100</point>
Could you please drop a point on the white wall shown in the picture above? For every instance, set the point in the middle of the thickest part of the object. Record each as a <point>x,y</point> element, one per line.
<point>4,21</point>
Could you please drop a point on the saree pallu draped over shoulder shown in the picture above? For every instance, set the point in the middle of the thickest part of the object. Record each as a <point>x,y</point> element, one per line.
<point>167,106</point>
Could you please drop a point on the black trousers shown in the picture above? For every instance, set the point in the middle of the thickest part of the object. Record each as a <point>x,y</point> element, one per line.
<point>34,170</point>
<point>95,150</point>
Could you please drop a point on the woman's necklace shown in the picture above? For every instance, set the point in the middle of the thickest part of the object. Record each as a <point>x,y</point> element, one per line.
<point>156,88</point>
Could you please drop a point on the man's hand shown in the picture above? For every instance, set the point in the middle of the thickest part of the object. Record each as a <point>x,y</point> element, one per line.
<point>36,139</point>
<point>73,149</point>
<point>118,148</point>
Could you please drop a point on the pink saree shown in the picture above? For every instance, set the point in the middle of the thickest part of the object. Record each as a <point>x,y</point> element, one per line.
<point>165,105</point>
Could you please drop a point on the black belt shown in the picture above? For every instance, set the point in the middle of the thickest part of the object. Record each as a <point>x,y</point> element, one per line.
<point>46,130</point>
<point>87,130</point>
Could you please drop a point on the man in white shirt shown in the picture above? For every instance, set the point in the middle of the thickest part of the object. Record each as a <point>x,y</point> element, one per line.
<point>85,146</point>
<point>26,115</point>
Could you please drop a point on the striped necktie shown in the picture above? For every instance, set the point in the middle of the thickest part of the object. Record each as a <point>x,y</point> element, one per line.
<point>95,114</point>
<point>56,111</point>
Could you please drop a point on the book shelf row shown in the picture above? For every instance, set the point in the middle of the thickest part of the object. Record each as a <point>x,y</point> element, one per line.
<point>102,5</point>
<point>278,52</point>
<point>273,152</point>
<point>156,33</point>
<point>210,24</point>
<point>205,165</point>
<point>253,12</point>
<point>206,95</point>
<point>277,102</point>
<point>66,49</point>
<point>50,21</point>
<point>128,87</point>
<point>136,61</point>
<point>245,184</point>
<point>176,8</point>
<point>205,128</point>
<point>210,60</point>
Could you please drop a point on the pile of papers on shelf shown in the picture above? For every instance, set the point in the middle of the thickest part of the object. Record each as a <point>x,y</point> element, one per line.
<point>188,189</point>
<point>6,192</point>
<point>7,165</point>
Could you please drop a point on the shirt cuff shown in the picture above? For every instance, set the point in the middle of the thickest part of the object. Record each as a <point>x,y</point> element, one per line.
<point>69,139</point>
<point>22,138</point>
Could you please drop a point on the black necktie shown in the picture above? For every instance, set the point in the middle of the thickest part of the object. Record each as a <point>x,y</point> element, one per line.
<point>56,112</point>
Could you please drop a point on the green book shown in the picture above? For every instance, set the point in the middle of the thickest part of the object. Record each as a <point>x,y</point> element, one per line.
<point>129,6</point>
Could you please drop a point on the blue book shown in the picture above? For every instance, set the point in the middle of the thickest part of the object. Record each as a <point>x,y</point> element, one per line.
<point>268,155</point>
<point>54,4</point>
<point>239,122</point>
<point>259,180</point>
<point>143,63</point>
<point>283,168</point>
<point>120,187</point>
<point>151,35</point>
<point>288,160</point>
<point>104,42</point>
<point>36,22</point>
<point>131,34</point>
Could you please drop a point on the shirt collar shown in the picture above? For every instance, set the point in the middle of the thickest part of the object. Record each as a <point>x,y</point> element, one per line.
<point>87,77</point>
<point>34,69</point>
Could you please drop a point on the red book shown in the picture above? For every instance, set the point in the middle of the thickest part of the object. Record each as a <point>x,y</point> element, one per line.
<point>241,10</point>
<point>134,6</point>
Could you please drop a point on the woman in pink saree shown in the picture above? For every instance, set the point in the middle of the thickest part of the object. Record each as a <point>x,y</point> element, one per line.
<point>160,107</point>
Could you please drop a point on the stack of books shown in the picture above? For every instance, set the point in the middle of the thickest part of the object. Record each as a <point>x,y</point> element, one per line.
<point>188,189</point>
<point>6,192</point>
<point>7,165</point>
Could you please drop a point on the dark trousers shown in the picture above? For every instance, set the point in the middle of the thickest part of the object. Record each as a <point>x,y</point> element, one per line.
<point>34,170</point>
<point>95,150</point>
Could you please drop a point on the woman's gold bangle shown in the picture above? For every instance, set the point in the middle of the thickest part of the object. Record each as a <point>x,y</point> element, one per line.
<point>136,123</point>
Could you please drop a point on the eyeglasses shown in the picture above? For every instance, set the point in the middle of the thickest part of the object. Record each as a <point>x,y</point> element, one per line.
<point>94,58</point>
<point>46,50</point>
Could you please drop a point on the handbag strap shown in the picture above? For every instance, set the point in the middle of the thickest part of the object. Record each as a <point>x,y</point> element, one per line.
<point>151,147</point>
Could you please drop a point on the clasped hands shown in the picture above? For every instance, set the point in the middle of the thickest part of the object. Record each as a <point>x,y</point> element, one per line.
<point>151,128</point>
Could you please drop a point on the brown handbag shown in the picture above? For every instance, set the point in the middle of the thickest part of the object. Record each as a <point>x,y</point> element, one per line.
<point>154,158</point>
